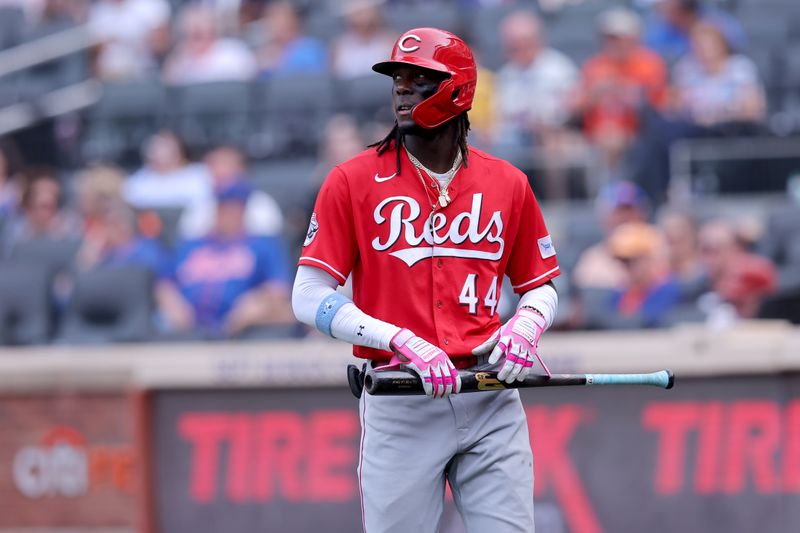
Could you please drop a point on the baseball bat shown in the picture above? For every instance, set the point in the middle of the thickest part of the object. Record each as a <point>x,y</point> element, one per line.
<point>405,382</point>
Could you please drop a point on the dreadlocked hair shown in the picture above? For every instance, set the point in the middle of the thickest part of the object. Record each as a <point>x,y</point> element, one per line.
<point>394,137</point>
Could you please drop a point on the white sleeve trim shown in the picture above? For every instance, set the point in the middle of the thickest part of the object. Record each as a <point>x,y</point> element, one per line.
<point>314,259</point>
<point>537,278</point>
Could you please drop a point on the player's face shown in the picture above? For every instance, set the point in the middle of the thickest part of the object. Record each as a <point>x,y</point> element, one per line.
<point>412,85</point>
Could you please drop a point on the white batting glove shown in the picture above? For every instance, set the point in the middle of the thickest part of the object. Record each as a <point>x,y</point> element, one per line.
<point>439,377</point>
<point>518,340</point>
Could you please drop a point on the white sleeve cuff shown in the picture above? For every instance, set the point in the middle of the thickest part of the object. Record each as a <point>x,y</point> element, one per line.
<point>544,299</point>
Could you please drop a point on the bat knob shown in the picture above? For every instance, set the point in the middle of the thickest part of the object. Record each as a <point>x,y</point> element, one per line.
<point>670,380</point>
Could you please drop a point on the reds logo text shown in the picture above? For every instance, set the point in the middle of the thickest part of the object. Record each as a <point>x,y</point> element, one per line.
<point>438,231</point>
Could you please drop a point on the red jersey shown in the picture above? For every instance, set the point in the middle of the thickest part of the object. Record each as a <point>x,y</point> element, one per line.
<point>436,271</point>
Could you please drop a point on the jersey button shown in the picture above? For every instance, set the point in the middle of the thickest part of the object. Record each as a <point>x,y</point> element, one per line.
<point>446,342</point>
<point>438,304</point>
<point>439,263</point>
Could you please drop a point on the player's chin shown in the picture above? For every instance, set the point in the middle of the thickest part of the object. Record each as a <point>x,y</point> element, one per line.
<point>407,126</point>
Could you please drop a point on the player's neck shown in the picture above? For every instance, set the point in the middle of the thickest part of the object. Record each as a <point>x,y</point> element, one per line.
<point>436,148</point>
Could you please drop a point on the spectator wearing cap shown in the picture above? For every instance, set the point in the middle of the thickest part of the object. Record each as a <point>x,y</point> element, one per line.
<point>202,55</point>
<point>226,166</point>
<point>715,88</point>
<point>617,84</point>
<point>287,50</point>
<point>669,26</point>
<point>617,204</point>
<point>227,281</point>
<point>650,292</point>
<point>364,42</point>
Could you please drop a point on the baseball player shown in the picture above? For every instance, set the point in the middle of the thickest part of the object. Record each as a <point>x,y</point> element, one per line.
<point>428,226</point>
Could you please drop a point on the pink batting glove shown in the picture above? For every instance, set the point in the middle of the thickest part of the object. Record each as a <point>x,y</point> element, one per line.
<point>439,377</point>
<point>518,339</point>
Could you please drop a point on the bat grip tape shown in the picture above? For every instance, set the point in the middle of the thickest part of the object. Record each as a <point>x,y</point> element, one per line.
<point>327,310</point>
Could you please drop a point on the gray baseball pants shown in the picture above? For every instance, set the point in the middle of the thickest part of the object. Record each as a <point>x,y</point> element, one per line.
<point>477,441</point>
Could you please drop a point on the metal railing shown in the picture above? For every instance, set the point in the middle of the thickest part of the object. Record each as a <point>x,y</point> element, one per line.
<point>686,152</point>
<point>58,101</point>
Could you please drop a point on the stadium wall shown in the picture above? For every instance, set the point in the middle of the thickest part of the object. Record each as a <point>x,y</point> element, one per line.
<point>264,436</point>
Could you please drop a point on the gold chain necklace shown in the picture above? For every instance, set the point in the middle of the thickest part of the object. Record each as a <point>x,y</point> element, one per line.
<point>444,196</point>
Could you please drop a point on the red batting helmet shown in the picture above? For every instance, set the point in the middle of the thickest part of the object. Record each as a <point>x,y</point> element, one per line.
<point>442,51</point>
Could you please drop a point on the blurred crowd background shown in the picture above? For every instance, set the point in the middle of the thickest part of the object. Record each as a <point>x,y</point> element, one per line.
<point>159,159</point>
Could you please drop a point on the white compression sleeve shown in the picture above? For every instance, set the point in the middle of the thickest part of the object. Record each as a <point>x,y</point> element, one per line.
<point>544,299</point>
<point>312,285</point>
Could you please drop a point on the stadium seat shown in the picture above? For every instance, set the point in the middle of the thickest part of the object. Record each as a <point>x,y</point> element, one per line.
<point>25,313</point>
<point>121,121</point>
<point>366,97</point>
<point>323,24</point>
<point>290,113</point>
<point>211,114</point>
<point>780,242</point>
<point>166,228</point>
<point>54,255</point>
<point>482,32</point>
<point>12,24</point>
<point>289,181</point>
<point>763,27</point>
<point>445,15</point>
<point>110,305</point>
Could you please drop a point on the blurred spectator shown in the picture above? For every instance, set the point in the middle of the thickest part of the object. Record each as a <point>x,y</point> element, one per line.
<point>112,241</point>
<point>618,82</point>
<point>650,291</point>
<point>42,216</point>
<point>669,27</point>
<point>739,279</point>
<point>99,189</point>
<point>227,281</point>
<point>287,50</point>
<point>167,178</point>
<point>226,166</point>
<point>617,204</point>
<point>202,55</point>
<point>746,283</point>
<point>681,239</point>
<point>366,40</point>
<point>341,140</point>
<point>714,87</point>
<point>129,50</point>
<point>532,87</point>
<point>9,180</point>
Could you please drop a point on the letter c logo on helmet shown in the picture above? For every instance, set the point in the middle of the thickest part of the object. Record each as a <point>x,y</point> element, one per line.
<point>401,44</point>
<point>442,51</point>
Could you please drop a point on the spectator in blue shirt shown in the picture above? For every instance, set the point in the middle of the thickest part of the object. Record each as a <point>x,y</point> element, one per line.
<point>287,51</point>
<point>227,281</point>
<point>669,28</point>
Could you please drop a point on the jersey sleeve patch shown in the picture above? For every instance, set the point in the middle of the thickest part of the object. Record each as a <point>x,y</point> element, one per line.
<point>546,248</point>
<point>313,228</point>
